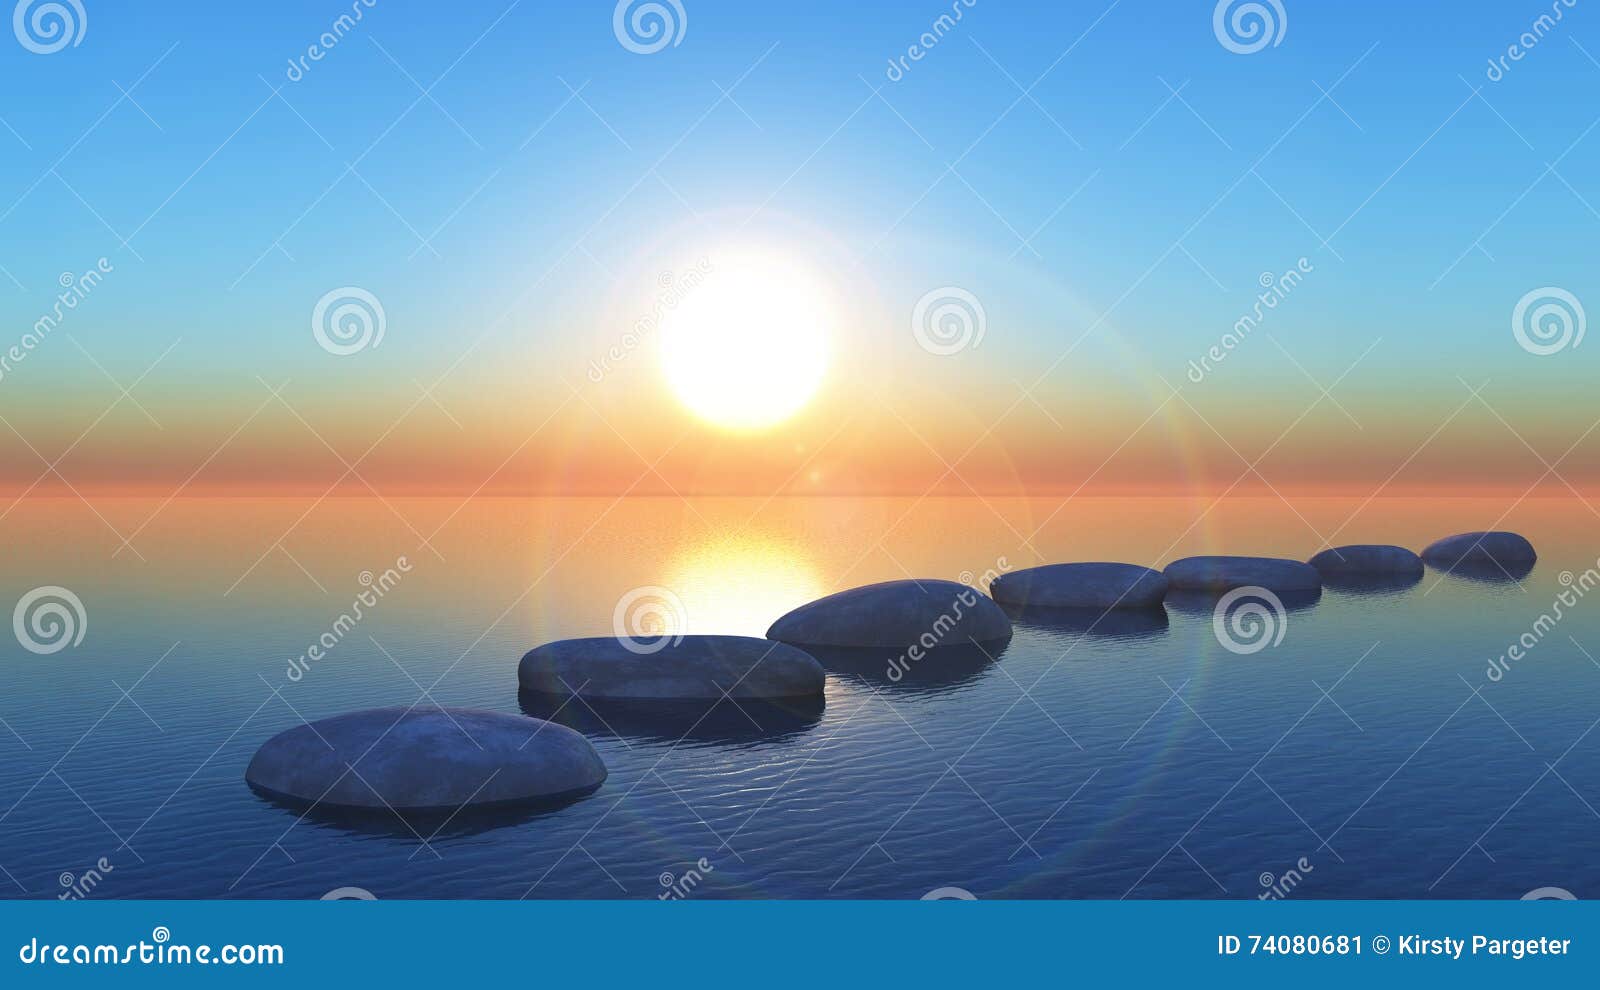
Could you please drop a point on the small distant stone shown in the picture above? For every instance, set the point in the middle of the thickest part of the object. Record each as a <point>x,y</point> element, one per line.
<point>896,614</point>
<point>1367,560</point>
<point>680,668</point>
<point>1228,573</point>
<point>1503,549</point>
<point>426,760</point>
<point>1090,586</point>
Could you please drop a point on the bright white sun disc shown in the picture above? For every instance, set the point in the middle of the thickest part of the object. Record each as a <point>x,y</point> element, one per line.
<point>746,348</point>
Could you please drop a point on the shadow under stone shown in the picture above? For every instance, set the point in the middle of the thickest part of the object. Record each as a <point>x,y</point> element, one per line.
<point>1371,584</point>
<point>1115,623</point>
<point>1487,571</point>
<point>699,720</point>
<point>940,669</point>
<point>1204,603</point>
<point>430,824</point>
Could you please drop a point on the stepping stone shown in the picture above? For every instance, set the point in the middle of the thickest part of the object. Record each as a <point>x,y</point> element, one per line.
<point>896,614</point>
<point>1367,559</point>
<point>426,760</point>
<point>1482,550</point>
<point>1088,586</point>
<point>1228,573</point>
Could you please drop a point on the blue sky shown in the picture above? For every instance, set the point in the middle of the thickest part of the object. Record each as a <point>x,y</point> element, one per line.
<point>1100,204</point>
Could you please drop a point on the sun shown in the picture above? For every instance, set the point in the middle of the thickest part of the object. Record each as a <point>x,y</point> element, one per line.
<point>746,347</point>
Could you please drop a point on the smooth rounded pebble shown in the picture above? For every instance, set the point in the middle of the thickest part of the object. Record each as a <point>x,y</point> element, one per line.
<point>671,668</point>
<point>425,760</point>
<point>1505,549</point>
<point>1096,586</point>
<point>1228,573</point>
<point>1367,559</point>
<point>896,614</point>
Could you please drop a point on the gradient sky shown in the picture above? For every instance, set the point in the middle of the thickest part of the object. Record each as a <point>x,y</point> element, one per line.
<point>1113,230</point>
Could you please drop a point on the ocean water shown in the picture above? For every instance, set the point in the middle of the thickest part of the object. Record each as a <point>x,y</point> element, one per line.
<point>1369,753</point>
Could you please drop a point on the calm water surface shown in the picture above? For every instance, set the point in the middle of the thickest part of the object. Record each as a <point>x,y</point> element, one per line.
<point>1369,751</point>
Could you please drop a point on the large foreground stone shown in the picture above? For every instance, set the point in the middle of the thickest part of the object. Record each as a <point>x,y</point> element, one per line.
<point>1228,573</point>
<point>1088,586</point>
<point>896,614</point>
<point>1367,560</point>
<point>426,760</point>
<point>690,667</point>
<point>1508,550</point>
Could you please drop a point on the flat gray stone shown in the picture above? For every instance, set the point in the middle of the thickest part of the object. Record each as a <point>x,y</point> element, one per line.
<point>896,614</point>
<point>1367,559</point>
<point>1508,550</point>
<point>426,760</point>
<point>691,667</point>
<point>1228,573</point>
<point>1094,586</point>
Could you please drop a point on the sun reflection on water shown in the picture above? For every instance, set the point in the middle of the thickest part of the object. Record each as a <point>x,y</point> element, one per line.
<point>737,585</point>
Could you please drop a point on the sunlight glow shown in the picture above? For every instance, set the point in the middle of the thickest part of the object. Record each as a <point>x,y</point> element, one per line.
<point>746,348</point>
